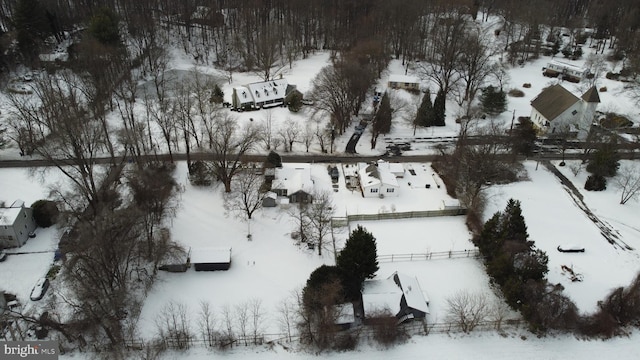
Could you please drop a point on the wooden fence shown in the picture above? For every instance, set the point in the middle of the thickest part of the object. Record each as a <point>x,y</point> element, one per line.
<point>414,328</point>
<point>344,221</point>
<point>474,253</point>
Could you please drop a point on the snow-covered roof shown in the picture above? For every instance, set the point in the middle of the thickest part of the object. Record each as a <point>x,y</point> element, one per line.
<point>294,177</point>
<point>17,204</point>
<point>9,215</point>
<point>403,79</point>
<point>374,175</point>
<point>243,94</point>
<point>211,255</point>
<point>378,295</point>
<point>394,168</point>
<point>271,195</point>
<point>387,294</point>
<point>413,294</point>
<point>268,90</point>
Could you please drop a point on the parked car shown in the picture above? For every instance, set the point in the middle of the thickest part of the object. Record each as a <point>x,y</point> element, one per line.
<point>3,255</point>
<point>40,289</point>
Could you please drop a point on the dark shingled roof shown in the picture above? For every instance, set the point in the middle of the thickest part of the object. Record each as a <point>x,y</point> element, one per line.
<point>553,101</point>
<point>591,96</point>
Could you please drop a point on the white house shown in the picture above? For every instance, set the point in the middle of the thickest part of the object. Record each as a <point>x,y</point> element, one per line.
<point>294,182</point>
<point>406,82</point>
<point>16,222</point>
<point>259,94</point>
<point>556,109</point>
<point>376,180</point>
<point>568,71</point>
<point>399,293</point>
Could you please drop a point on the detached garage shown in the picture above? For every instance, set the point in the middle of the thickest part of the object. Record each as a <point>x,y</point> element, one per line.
<point>211,259</point>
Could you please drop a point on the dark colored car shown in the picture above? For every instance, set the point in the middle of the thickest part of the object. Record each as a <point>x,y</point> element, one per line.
<point>40,289</point>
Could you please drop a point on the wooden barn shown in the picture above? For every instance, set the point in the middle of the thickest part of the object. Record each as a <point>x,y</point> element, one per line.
<point>211,259</point>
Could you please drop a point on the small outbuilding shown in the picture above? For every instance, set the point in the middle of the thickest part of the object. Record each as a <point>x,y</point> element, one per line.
<point>211,259</point>
<point>270,199</point>
<point>406,82</point>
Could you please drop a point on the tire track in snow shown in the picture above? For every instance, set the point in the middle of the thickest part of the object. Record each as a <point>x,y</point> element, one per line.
<point>606,230</point>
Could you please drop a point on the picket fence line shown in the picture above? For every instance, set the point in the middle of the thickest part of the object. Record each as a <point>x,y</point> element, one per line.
<point>472,253</point>
<point>415,328</point>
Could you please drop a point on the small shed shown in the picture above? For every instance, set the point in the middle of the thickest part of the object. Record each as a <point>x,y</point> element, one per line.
<point>400,294</point>
<point>211,259</point>
<point>404,82</point>
<point>270,199</point>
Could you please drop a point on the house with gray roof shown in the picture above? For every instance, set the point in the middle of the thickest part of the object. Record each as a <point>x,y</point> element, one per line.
<point>293,181</point>
<point>556,109</point>
<point>16,222</point>
<point>399,294</point>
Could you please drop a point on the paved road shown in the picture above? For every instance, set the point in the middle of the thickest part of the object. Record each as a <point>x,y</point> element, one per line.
<point>299,158</point>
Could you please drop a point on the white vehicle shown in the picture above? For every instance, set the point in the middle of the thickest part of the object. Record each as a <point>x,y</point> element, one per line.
<point>40,289</point>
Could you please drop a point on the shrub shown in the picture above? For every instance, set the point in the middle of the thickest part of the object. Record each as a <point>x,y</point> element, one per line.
<point>595,183</point>
<point>200,174</point>
<point>45,213</point>
<point>385,328</point>
<point>603,89</point>
<point>294,101</point>
<point>516,93</point>
<point>526,85</point>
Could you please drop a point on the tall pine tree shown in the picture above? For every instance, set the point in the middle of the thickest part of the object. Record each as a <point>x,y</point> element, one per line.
<point>493,102</point>
<point>382,120</point>
<point>439,108</point>
<point>424,115</point>
<point>357,261</point>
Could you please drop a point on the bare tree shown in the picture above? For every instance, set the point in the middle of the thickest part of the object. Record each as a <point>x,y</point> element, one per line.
<point>173,324</point>
<point>467,310</point>
<point>229,333</point>
<point>207,323</point>
<point>628,182</point>
<point>257,317</point>
<point>267,130</point>
<point>230,143</point>
<point>289,133</point>
<point>246,195</point>
<point>307,136</point>
<point>242,320</point>
<point>287,318</point>
<point>319,214</point>
<point>338,91</point>
<point>60,121</point>
<point>269,58</point>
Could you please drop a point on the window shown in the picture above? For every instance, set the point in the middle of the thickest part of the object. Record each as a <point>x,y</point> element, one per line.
<point>574,112</point>
<point>374,190</point>
<point>390,190</point>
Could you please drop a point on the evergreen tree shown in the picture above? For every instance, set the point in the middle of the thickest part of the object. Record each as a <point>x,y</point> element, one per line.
<point>103,26</point>
<point>319,278</point>
<point>524,137</point>
<point>382,120</point>
<point>217,96</point>
<point>605,160</point>
<point>31,25</point>
<point>357,261</point>
<point>493,102</point>
<point>439,108</point>
<point>424,116</point>
<point>273,160</point>
<point>513,225</point>
<point>490,240</point>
